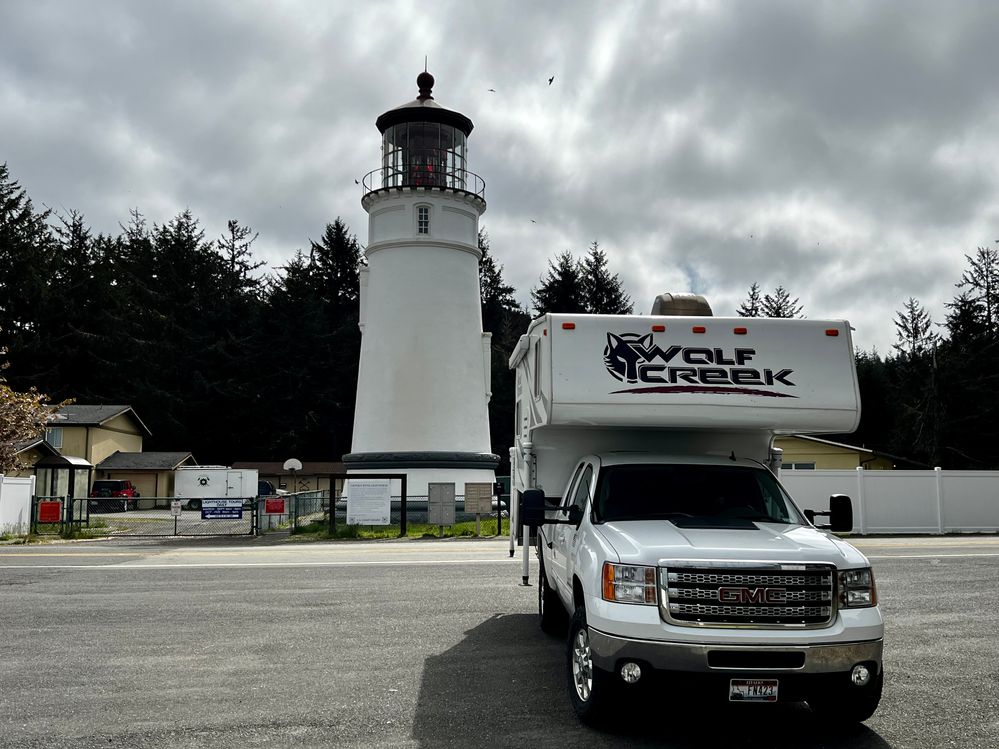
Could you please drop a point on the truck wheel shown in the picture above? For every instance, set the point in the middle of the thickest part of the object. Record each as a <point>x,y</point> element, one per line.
<point>551,613</point>
<point>590,688</point>
<point>849,705</point>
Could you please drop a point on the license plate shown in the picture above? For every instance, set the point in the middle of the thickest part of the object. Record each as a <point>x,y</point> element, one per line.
<point>752,690</point>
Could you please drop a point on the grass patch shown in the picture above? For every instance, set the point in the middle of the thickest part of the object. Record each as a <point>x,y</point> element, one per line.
<point>319,531</point>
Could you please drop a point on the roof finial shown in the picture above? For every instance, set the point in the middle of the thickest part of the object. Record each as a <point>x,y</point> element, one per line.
<point>425,82</point>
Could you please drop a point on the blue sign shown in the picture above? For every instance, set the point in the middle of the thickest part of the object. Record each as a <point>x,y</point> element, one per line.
<point>221,509</point>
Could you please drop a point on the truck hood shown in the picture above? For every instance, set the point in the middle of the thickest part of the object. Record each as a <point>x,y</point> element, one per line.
<point>653,541</point>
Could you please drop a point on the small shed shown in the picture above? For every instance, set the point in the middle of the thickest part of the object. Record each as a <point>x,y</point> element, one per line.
<point>151,473</point>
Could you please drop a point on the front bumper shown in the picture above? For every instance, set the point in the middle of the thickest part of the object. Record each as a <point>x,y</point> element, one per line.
<point>609,652</point>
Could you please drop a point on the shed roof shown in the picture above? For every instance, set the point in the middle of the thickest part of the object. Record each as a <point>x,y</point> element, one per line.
<point>150,461</point>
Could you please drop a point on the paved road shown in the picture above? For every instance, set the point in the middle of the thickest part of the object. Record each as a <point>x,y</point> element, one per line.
<point>417,644</point>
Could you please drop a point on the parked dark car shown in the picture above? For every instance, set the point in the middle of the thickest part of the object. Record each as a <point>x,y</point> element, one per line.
<point>107,495</point>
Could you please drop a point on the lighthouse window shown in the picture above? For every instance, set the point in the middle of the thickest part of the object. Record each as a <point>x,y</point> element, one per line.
<point>423,219</point>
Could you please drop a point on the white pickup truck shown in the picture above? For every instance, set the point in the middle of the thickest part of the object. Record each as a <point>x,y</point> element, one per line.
<point>670,554</point>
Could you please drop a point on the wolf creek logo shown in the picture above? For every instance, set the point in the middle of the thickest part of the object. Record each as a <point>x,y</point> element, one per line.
<point>634,358</point>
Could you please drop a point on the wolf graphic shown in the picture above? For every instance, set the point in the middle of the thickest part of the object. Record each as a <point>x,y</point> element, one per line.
<point>624,353</point>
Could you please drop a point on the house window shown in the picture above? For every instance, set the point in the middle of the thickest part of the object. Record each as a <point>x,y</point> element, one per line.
<point>53,435</point>
<point>800,466</point>
<point>423,219</point>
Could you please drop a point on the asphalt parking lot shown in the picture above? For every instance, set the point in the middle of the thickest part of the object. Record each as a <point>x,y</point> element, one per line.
<point>418,644</point>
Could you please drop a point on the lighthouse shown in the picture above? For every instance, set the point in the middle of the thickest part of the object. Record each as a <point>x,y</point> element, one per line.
<point>423,383</point>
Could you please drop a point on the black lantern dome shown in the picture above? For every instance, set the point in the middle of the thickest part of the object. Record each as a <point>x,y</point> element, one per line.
<point>424,145</point>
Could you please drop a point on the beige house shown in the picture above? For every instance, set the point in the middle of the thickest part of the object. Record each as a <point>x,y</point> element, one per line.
<point>804,453</point>
<point>95,432</point>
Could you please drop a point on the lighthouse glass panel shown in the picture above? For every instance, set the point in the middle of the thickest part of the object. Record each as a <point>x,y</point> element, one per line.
<point>423,154</point>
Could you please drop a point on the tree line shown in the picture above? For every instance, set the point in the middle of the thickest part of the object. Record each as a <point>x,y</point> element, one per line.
<point>231,360</point>
<point>217,353</point>
<point>932,400</point>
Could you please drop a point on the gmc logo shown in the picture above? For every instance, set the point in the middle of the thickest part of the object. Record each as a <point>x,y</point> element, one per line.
<point>752,595</point>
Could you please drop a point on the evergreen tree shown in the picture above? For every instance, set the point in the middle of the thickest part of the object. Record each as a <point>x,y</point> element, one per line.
<point>335,261</point>
<point>753,306</point>
<point>562,289</point>
<point>602,292</point>
<point>780,304</point>
<point>503,317</point>
<point>26,252</point>
<point>914,329</point>
<point>981,281</point>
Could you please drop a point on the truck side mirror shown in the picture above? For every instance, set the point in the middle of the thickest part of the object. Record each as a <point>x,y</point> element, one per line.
<point>810,514</point>
<point>533,507</point>
<point>575,515</point>
<point>840,513</point>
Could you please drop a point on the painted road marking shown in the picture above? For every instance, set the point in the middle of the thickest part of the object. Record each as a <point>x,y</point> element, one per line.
<point>373,563</point>
<point>195,565</point>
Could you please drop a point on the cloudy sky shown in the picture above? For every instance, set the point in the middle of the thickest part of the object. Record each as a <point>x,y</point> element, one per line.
<point>847,150</point>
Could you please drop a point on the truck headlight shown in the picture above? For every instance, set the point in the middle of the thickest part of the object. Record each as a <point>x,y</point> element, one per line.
<point>857,589</point>
<point>629,583</point>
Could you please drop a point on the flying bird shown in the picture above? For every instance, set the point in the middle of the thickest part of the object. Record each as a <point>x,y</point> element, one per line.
<point>550,80</point>
<point>493,90</point>
<point>356,182</point>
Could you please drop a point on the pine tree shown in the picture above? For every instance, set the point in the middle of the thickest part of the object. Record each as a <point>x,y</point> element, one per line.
<point>335,261</point>
<point>26,256</point>
<point>503,317</point>
<point>753,306</point>
<point>914,329</point>
<point>561,290</point>
<point>780,304</point>
<point>981,280</point>
<point>602,292</point>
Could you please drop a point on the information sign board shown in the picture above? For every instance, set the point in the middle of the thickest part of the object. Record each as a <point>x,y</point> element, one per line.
<point>175,508</point>
<point>274,506</point>
<point>440,507</point>
<point>221,509</point>
<point>479,498</point>
<point>368,502</point>
<point>50,511</point>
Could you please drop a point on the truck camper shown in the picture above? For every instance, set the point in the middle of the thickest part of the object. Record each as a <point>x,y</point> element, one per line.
<point>670,556</point>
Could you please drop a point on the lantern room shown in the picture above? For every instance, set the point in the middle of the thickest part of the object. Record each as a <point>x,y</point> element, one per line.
<point>424,145</point>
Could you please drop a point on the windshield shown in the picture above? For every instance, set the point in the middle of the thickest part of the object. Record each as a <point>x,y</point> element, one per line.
<point>702,492</point>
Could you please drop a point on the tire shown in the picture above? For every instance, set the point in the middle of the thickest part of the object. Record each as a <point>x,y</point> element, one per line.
<point>590,688</point>
<point>124,505</point>
<point>850,704</point>
<point>551,613</point>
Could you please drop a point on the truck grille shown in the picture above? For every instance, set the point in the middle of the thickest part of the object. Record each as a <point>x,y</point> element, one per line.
<point>747,595</point>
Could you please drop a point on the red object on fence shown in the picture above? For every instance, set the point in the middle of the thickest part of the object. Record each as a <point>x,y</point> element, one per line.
<point>274,506</point>
<point>50,511</point>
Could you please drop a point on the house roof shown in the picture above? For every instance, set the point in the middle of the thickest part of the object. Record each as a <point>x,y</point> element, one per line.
<point>276,467</point>
<point>39,443</point>
<point>150,461</point>
<point>868,451</point>
<point>78,415</point>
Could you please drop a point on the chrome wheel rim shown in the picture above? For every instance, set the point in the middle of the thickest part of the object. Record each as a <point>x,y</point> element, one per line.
<point>582,665</point>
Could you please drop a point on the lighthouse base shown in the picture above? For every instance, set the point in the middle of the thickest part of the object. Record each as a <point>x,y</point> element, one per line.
<point>422,468</point>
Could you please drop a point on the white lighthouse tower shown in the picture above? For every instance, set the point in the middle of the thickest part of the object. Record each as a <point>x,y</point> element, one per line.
<point>423,385</point>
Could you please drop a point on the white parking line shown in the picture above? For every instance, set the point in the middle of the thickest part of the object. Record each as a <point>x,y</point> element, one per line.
<point>195,565</point>
<point>929,556</point>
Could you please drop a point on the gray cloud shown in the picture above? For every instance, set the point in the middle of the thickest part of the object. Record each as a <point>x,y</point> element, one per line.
<point>843,149</point>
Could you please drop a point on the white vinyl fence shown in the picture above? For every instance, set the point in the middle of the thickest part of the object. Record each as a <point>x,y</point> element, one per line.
<point>15,504</point>
<point>934,501</point>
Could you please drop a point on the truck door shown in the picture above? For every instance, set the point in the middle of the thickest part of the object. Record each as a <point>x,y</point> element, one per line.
<point>566,535</point>
<point>551,532</point>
